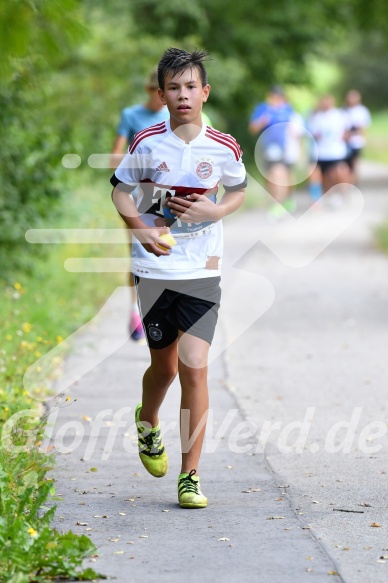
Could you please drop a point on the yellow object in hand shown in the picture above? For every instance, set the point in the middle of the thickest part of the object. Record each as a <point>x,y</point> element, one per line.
<point>169,239</point>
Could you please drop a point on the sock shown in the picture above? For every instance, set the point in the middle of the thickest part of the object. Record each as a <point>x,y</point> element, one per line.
<point>315,190</point>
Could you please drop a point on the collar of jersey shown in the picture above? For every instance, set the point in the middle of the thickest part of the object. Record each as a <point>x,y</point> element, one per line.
<point>192,142</point>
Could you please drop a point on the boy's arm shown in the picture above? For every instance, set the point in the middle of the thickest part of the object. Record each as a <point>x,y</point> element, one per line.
<point>149,237</point>
<point>196,208</point>
<point>231,201</point>
<point>256,126</point>
<point>259,120</point>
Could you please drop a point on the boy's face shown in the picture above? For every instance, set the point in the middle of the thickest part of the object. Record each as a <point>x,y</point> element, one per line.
<point>184,95</point>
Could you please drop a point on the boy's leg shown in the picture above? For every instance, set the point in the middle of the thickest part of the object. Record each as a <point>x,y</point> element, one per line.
<point>192,366</point>
<point>156,381</point>
<point>278,181</point>
<point>193,369</point>
<point>328,178</point>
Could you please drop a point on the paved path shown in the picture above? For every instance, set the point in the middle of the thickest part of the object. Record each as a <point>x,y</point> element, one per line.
<point>314,341</point>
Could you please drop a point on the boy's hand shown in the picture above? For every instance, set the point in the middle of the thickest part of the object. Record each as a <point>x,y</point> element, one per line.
<point>194,208</point>
<point>150,239</point>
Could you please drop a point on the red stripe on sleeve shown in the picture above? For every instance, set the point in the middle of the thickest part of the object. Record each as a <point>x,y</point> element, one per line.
<point>221,139</point>
<point>153,130</point>
<point>226,137</point>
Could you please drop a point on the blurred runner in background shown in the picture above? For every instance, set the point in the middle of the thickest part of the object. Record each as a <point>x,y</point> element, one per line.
<point>315,174</point>
<point>133,120</point>
<point>360,119</point>
<point>279,141</point>
<point>329,127</point>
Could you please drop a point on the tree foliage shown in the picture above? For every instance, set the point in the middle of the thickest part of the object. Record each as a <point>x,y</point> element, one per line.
<point>34,37</point>
<point>69,66</point>
<point>363,65</point>
<point>33,32</point>
<point>259,42</point>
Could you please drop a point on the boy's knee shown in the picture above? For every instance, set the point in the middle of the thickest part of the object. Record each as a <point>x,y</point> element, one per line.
<point>194,362</point>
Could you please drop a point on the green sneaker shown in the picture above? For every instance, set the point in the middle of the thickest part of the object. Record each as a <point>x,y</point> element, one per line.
<point>290,205</point>
<point>189,491</point>
<point>277,211</point>
<point>151,449</point>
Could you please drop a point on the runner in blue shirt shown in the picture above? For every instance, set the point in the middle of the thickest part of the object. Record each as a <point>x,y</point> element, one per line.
<point>138,117</point>
<point>271,119</point>
<point>133,120</point>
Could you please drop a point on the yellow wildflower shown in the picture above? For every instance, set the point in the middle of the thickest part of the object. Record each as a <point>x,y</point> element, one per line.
<point>59,339</point>
<point>26,327</point>
<point>32,532</point>
<point>8,337</point>
<point>38,354</point>
<point>17,286</point>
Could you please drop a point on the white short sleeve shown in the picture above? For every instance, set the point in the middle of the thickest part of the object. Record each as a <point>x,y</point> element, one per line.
<point>131,168</point>
<point>234,176</point>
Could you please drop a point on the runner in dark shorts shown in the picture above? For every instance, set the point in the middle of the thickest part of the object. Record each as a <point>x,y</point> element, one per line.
<point>170,306</point>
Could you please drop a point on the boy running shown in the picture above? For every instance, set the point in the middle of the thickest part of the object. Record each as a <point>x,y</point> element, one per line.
<point>178,165</point>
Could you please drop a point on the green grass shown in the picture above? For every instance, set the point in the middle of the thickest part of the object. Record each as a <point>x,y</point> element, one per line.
<point>255,193</point>
<point>381,236</point>
<point>38,310</point>
<point>377,138</point>
<point>377,150</point>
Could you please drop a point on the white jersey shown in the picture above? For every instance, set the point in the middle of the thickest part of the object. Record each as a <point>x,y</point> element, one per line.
<point>328,128</point>
<point>163,165</point>
<point>292,143</point>
<point>359,120</point>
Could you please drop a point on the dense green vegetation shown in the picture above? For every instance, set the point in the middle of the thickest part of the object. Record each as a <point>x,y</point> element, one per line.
<point>38,311</point>
<point>377,144</point>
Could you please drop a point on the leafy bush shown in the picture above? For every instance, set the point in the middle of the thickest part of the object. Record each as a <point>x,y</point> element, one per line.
<point>35,38</point>
<point>29,549</point>
<point>31,175</point>
<point>37,312</point>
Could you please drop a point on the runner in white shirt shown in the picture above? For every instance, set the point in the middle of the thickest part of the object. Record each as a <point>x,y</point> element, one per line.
<point>165,167</point>
<point>360,119</point>
<point>329,126</point>
<point>178,166</point>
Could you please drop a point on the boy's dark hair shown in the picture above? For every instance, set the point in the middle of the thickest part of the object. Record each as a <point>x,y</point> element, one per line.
<point>178,60</point>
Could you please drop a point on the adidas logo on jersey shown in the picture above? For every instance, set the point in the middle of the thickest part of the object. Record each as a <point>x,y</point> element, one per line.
<point>163,167</point>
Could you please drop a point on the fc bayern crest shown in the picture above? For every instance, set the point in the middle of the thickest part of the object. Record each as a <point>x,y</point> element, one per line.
<point>204,170</point>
